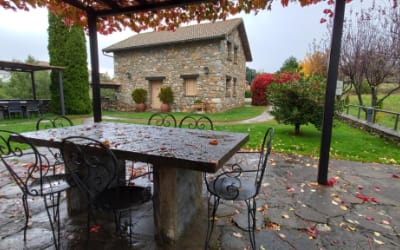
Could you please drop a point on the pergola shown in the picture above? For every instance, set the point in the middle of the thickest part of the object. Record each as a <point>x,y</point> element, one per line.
<point>32,68</point>
<point>97,9</point>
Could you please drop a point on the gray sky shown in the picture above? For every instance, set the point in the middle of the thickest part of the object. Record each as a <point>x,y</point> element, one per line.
<point>273,35</point>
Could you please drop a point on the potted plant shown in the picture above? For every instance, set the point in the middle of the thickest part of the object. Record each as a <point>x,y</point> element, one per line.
<point>167,98</point>
<point>139,96</point>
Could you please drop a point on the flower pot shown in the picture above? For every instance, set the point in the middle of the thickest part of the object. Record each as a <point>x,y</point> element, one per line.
<point>140,107</point>
<point>165,107</point>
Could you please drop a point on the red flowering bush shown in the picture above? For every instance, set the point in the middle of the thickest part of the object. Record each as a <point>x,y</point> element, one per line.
<point>259,88</point>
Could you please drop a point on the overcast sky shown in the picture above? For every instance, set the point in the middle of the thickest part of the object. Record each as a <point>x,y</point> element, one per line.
<point>273,35</point>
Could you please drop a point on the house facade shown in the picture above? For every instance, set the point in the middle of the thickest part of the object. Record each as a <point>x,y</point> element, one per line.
<point>202,63</point>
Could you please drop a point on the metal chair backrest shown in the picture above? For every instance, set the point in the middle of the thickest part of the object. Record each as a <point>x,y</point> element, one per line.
<point>92,165</point>
<point>196,121</point>
<point>162,119</point>
<point>24,162</point>
<point>265,151</point>
<point>57,122</point>
<point>14,106</point>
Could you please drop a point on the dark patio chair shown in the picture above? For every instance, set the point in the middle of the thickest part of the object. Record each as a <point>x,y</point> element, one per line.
<point>13,108</point>
<point>31,172</point>
<point>196,121</point>
<point>32,107</point>
<point>162,119</point>
<point>237,183</point>
<point>95,170</point>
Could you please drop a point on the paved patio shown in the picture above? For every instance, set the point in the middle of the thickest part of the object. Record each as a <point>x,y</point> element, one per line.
<point>360,210</point>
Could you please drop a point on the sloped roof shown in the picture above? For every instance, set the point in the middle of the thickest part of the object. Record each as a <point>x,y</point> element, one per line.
<point>206,31</point>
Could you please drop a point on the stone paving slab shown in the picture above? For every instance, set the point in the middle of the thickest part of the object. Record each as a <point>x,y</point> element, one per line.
<point>361,210</point>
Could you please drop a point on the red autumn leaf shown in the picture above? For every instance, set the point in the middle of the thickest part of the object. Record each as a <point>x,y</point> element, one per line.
<point>366,198</point>
<point>290,189</point>
<point>396,176</point>
<point>360,187</point>
<point>370,218</point>
<point>377,188</point>
<point>332,181</point>
<point>95,228</point>
<point>312,232</point>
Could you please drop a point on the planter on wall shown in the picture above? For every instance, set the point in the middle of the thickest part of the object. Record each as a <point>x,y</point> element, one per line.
<point>165,107</point>
<point>140,107</point>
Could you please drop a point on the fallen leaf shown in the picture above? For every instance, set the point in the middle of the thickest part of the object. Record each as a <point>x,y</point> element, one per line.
<point>370,218</point>
<point>343,207</point>
<point>377,234</point>
<point>237,235</point>
<point>312,232</point>
<point>95,228</point>
<point>377,188</point>
<point>285,216</point>
<point>396,176</point>
<point>282,235</point>
<point>385,222</point>
<point>360,187</point>
<point>378,242</point>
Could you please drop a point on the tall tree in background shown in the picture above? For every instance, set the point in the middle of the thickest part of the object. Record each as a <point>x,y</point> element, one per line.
<point>370,52</point>
<point>20,84</point>
<point>67,48</point>
<point>290,65</point>
<point>250,75</point>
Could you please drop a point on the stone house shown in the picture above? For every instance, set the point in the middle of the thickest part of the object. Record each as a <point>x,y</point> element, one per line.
<point>204,62</point>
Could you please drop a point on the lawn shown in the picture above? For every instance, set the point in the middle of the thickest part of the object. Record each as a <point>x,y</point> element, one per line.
<point>347,143</point>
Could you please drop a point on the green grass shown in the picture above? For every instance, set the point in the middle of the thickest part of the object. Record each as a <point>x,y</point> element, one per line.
<point>384,119</point>
<point>347,143</point>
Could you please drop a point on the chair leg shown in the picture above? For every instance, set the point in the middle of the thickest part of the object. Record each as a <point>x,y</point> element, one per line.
<point>26,210</point>
<point>251,220</point>
<point>212,209</point>
<point>52,204</point>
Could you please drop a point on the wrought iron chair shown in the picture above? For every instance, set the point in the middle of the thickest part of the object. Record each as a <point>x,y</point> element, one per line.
<point>162,119</point>
<point>57,122</point>
<point>237,183</point>
<point>196,121</point>
<point>33,107</point>
<point>95,170</point>
<point>30,171</point>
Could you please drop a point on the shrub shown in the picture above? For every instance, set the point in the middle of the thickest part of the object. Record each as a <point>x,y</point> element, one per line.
<point>247,93</point>
<point>139,95</point>
<point>259,88</point>
<point>298,102</point>
<point>166,95</point>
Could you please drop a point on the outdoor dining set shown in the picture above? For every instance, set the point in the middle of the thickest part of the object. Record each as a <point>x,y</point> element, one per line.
<point>89,162</point>
<point>21,108</point>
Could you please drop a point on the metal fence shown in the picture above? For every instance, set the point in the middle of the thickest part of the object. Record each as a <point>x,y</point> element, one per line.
<point>382,117</point>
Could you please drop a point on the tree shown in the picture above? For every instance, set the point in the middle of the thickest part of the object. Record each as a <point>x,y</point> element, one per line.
<point>315,62</point>
<point>20,84</point>
<point>290,65</point>
<point>370,52</point>
<point>297,102</point>
<point>250,75</point>
<point>259,88</point>
<point>67,47</point>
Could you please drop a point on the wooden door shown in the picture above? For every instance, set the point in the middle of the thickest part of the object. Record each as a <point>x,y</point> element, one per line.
<point>155,90</point>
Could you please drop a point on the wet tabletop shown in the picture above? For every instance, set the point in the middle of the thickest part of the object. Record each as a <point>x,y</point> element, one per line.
<point>182,148</point>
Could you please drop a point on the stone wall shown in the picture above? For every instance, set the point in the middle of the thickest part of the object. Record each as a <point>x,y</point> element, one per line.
<point>173,62</point>
<point>384,132</point>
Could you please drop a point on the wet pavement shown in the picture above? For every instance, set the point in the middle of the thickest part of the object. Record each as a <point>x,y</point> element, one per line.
<point>359,210</point>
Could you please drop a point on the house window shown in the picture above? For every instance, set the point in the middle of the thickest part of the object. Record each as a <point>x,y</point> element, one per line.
<point>229,50</point>
<point>235,54</point>
<point>228,86</point>
<point>190,85</point>
<point>234,87</point>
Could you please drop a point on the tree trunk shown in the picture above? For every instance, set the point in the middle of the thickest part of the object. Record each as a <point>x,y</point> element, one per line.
<point>297,129</point>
